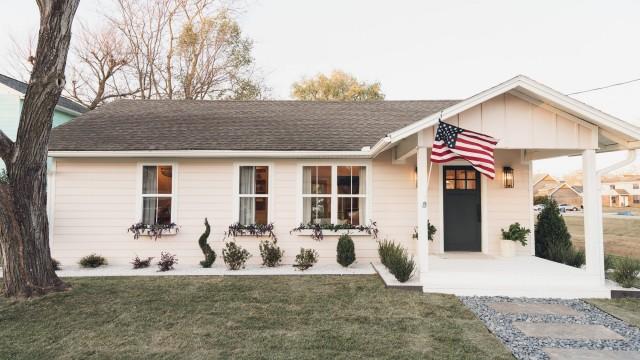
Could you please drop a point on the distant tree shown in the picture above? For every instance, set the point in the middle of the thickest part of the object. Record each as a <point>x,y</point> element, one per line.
<point>338,86</point>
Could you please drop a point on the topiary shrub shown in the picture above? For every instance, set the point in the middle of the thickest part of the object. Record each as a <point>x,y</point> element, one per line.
<point>92,261</point>
<point>270,253</point>
<point>306,258</point>
<point>167,261</point>
<point>551,234</point>
<point>346,251</point>
<point>234,255</point>
<point>626,272</point>
<point>139,263</point>
<point>209,254</point>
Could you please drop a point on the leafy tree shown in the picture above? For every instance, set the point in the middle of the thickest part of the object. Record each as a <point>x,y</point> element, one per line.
<point>338,86</point>
<point>24,229</point>
<point>551,230</point>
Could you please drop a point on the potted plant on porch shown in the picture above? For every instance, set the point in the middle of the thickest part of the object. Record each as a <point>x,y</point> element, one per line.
<point>515,234</point>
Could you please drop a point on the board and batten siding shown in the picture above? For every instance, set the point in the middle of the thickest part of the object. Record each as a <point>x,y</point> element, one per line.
<point>96,201</point>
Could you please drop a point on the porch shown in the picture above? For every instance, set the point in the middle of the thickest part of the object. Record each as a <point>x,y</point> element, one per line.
<point>477,274</point>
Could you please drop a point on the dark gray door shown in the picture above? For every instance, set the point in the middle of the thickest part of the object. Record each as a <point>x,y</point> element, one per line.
<point>462,209</point>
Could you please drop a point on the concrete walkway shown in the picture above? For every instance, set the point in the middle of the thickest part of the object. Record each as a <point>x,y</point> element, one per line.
<point>556,329</point>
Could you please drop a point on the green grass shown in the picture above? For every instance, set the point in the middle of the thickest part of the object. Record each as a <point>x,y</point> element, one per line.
<point>625,309</point>
<point>296,317</point>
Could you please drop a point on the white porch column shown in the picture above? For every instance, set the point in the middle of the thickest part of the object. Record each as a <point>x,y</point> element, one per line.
<point>423,231</point>
<point>593,238</point>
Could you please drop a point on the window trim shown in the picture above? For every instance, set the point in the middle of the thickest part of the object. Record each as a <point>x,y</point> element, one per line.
<point>235,206</point>
<point>334,188</point>
<point>174,189</point>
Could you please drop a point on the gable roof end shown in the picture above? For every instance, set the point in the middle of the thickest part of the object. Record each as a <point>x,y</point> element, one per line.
<point>64,103</point>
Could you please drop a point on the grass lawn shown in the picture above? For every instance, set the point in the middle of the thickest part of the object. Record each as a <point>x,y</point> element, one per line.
<point>625,309</point>
<point>621,236</point>
<point>301,317</point>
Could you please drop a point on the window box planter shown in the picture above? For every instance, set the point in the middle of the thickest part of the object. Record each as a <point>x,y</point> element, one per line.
<point>153,231</point>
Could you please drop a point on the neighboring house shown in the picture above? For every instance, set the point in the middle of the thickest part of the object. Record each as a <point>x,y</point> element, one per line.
<point>293,162</point>
<point>12,93</point>
<point>543,184</point>
<point>566,194</point>
<point>621,191</point>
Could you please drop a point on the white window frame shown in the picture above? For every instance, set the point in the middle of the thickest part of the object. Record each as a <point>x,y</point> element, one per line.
<point>236,190</point>
<point>173,195</point>
<point>334,189</point>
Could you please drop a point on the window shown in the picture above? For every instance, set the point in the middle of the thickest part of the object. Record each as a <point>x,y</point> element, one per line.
<point>253,195</point>
<point>334,194</point>
<point>157,194</point>
<point>460,179</point>
<point>612,187</point>
<point>636,186</point>
<point>636,199</point>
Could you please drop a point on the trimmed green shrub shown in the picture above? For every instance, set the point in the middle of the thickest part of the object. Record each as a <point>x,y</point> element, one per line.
<point>56,264</point>
<point>516,232</point>
<point>565,254</point>
<point>402,267</point>
<point>209,254</point>
<point>551,234</point>
<point>167,261</point>
<point>609,262</point>
<point>346,251</point>
<point>270,253</point>
<point>139,263</point>
<point>386,250</point>
<point>306,258</point>
<point>234,255</point>
<point>626,272</point>
<point>92,261</point>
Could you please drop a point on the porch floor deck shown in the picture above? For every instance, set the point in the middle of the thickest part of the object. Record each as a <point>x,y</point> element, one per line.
<point>470,274</point>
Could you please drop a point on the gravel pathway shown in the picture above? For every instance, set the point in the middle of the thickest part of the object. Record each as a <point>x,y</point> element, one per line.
<point>505,325</point>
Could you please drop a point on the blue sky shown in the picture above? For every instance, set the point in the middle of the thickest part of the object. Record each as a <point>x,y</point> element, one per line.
<point>434,49</point>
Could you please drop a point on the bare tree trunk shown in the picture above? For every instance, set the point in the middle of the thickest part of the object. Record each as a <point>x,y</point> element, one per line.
<point>24,228</point>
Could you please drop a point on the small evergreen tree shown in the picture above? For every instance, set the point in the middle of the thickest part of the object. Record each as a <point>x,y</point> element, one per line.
<point>346,251</point>
<point>209,254</point>
<point>551,230</point>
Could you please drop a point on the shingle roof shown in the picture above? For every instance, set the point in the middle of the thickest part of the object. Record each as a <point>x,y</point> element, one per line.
<point>21,87</point>
<point>127,125</point>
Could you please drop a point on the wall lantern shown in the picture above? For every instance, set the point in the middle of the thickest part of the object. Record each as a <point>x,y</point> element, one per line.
<point>415,176</point>
<point>507,177</point>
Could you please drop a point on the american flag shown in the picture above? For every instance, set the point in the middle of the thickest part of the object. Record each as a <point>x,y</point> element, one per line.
<point>452,143</point>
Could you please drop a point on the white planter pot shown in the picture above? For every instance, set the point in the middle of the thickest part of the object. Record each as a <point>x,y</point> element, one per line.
<point>508,248</point>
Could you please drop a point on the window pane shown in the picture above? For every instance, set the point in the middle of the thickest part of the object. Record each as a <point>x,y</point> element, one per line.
<point>247,180</point>
<point>317,210</point>
<point>164,211</point>
<point>262,180</point>
<point>460,174</point>
<point>471,174</point>
<point>247,211</point>
<point>359,180</point>
<point>262,207</point>
<point>350,211</point>
<point>149,208</point>
<point>471,184</point>
<point>450,184</point>
<point>450,175</point>
<point>316,179</point>
<point>164,179</point>
<point>149,180</point>
<point>460,184</point>
<point>344,180</point>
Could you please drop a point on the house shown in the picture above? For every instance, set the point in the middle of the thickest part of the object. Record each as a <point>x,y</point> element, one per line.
<point>621,191</point>
<point>12,93</point>
<point>543,184</point>
<point>293,162</point>
<point>566,194</point>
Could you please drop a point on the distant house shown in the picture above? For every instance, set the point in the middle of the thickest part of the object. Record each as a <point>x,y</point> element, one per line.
<point>544,184</point>
<point>621,191</point>
<point>566,194</point>
<point>12,93</point>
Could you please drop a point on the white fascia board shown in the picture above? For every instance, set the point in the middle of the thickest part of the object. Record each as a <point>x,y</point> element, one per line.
<point>210,154</point>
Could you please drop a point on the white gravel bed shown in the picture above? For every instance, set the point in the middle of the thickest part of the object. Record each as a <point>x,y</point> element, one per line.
<point>525,347</point>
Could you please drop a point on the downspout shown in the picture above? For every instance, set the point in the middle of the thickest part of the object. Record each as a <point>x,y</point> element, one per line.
<point>631,157</point>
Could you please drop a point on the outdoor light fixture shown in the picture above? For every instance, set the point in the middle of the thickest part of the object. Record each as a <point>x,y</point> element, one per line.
<point>415,176</point>
<point>507,177</point>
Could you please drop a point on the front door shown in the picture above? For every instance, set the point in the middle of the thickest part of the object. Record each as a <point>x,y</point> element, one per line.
<point>462,209</point>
